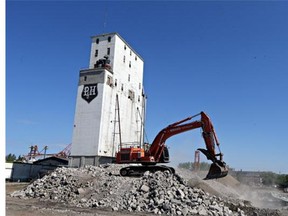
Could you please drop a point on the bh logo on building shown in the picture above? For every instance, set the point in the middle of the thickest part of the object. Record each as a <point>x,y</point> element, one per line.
<point>89,92</point>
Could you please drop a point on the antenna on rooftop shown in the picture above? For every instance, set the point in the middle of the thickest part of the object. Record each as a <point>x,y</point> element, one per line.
<point>105,19</point>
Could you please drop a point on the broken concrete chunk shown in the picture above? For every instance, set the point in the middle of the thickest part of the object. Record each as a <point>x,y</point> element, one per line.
<point>159,193</point>
<point>180,193</point>
<point>80,191</point>
<point>144,188</point>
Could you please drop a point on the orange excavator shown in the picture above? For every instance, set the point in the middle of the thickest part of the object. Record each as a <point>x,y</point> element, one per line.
<point>158,151</point>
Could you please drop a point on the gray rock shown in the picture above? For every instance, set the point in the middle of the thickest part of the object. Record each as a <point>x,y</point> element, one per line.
<point>155,211</point>
<point>202,211</point>
<point>175,201</point>
<point>80,191</point>
<point>180,193</point>
<point>159,193</point>
<point>166,207</point>
<point>83,200</point>
<point>114,208</point>
<point>194,211</point>
<point>184,211</point>
<point>144,188</point>
<point>19,194</point>
<point>215,207</point>
<point>159,202</point>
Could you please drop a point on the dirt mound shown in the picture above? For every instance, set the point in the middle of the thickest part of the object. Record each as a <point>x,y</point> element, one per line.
<point>232,190</point>
<point>224,187</point>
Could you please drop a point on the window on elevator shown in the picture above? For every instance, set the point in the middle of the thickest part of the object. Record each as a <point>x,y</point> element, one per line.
<point>131,95</point>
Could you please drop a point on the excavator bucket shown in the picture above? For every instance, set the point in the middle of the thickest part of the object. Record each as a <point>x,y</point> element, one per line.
<point>217,170</point>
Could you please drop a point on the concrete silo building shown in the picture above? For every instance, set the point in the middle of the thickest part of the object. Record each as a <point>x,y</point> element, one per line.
<point>110,102</point>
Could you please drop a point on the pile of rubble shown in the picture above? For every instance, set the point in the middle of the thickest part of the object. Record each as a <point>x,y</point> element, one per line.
<point>158,193</point>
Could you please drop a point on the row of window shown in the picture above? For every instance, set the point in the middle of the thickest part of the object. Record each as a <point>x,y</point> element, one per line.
<point>110,82</point>
<point>131,94</point>
<point>130,52</point>
<point>124,60</point>
<point>109,40</point>
<point>108,49</point>
<point>107,53</point>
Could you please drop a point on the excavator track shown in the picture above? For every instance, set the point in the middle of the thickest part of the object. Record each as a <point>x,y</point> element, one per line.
<point>140,170</point>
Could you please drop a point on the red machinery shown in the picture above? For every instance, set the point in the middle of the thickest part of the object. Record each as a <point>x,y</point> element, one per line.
<point>34,153</point>
<point>158,152</point>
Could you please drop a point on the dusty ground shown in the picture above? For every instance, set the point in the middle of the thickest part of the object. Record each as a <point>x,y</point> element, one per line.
<point>34,207</point>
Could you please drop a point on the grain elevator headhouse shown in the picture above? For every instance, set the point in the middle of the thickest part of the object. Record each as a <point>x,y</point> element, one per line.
<point>110,102</point>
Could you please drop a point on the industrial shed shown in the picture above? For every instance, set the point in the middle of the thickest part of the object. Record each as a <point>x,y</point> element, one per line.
<point>52,161</point>
<point>26,171</point>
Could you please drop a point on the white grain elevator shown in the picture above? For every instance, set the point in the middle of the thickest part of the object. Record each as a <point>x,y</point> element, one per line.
<point>110,104</point>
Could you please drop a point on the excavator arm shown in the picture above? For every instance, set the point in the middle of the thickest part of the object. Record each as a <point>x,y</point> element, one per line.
<point>218,167</point>
<point>158,143</point>
<point>209,135</point>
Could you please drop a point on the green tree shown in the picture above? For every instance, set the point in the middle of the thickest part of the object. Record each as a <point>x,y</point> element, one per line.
<point>191,166</point>
<point>268,178</point>
<point>186,165</point>
<point>282,180</point>
<point>10,158</point>
<point>204,166</point>
<point>20,158</point>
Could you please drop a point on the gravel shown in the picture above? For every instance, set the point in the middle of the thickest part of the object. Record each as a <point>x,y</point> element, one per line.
<point>159,193</point>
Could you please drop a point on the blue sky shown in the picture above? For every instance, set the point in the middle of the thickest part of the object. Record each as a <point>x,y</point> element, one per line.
<point>229,59</point>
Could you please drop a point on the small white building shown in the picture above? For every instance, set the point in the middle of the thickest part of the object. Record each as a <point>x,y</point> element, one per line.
<point>8,170</point>
<point>110,106</point>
